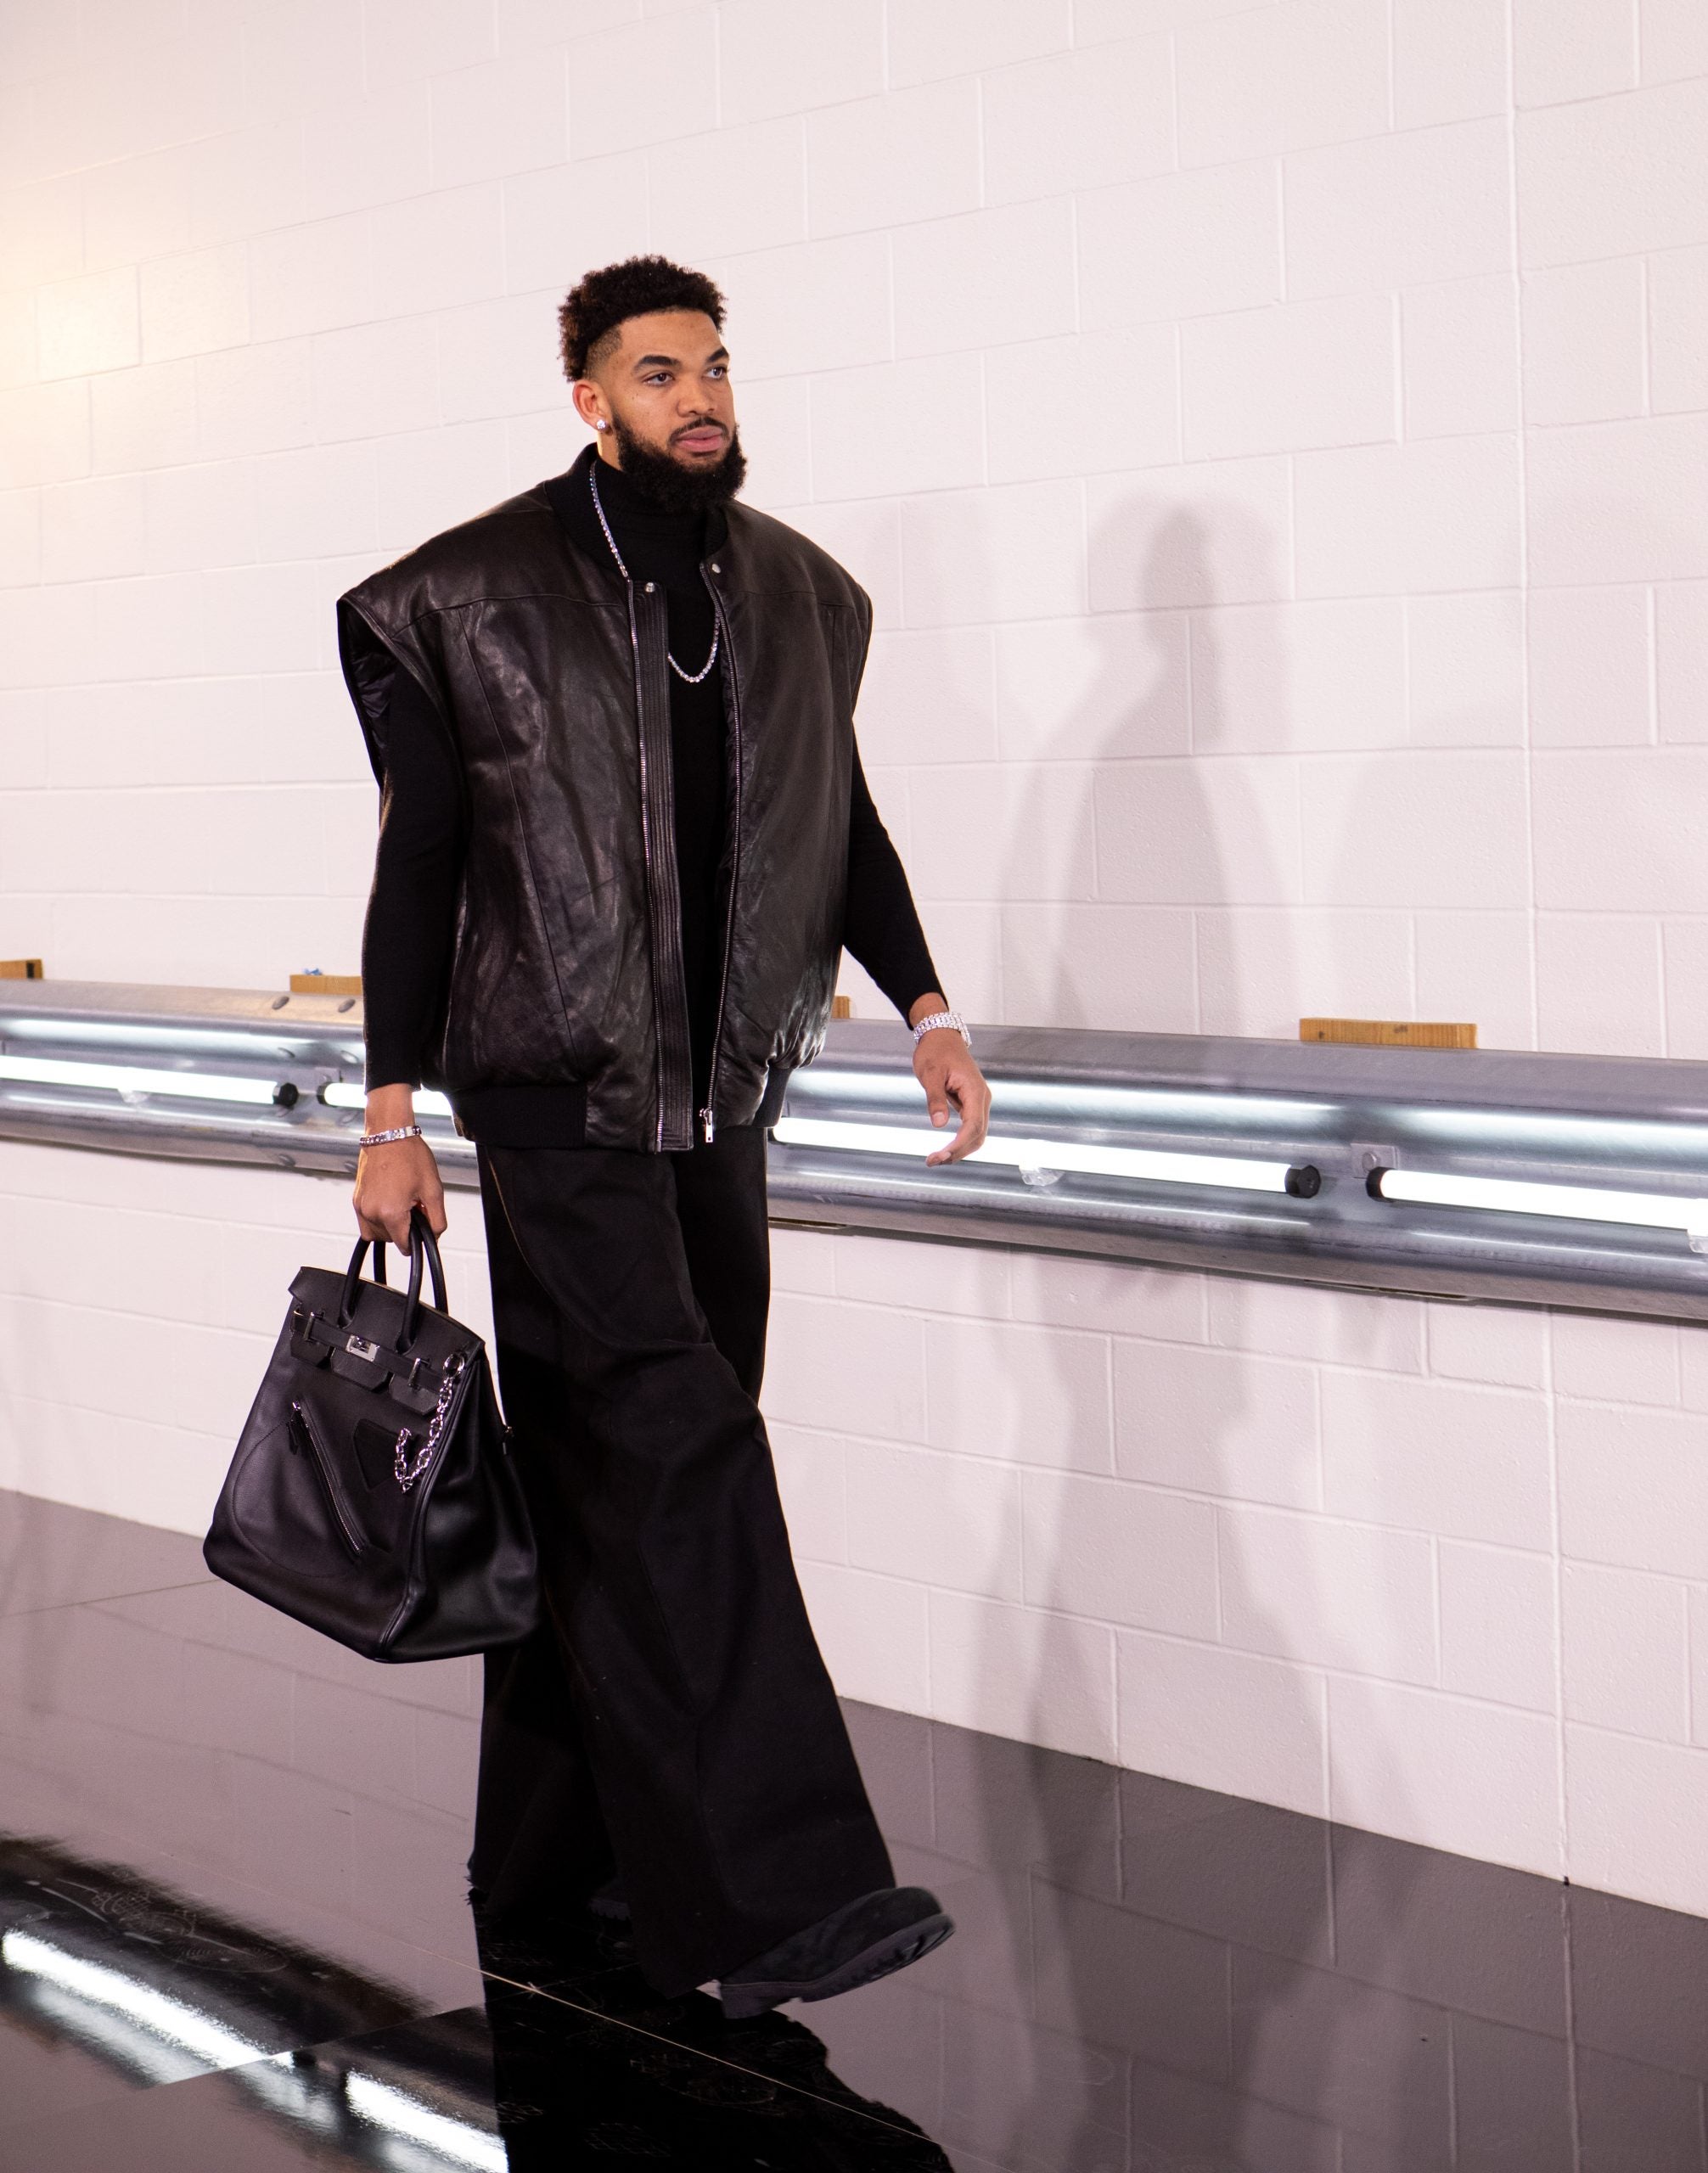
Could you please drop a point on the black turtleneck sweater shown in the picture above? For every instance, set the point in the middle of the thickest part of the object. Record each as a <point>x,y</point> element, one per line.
<point>406,942</point>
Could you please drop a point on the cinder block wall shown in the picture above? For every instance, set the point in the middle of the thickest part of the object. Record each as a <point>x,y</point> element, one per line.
<point>1273,435</point>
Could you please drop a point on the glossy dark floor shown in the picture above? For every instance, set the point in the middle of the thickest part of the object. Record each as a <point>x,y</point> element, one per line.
<point>233,1935</point>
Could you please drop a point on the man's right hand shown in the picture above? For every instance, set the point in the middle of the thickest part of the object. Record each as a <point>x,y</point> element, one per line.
<point>397,1177</point>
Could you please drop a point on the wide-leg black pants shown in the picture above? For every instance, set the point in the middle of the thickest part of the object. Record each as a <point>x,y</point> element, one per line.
<point>673,1717</point>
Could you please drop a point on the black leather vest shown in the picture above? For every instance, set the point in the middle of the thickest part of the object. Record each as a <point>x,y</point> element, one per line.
<point>566,963</point>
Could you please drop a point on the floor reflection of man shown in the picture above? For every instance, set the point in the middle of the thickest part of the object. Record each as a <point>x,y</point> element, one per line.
<point>598,2069</point>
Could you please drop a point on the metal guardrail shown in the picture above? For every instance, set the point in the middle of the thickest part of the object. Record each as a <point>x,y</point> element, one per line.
<point>1505,1176</point>
<point>276,1058</point>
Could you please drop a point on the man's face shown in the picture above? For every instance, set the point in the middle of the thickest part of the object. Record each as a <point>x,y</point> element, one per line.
<point>665,385</point>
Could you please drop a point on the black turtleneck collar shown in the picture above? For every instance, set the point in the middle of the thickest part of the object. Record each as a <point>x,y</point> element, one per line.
<point>660,545</point>
<point>624,499</point>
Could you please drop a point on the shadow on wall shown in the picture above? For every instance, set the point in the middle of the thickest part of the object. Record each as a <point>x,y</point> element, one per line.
<point>1233,1575</point>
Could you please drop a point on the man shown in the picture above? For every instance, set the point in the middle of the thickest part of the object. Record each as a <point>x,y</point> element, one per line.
<point>624,838</point>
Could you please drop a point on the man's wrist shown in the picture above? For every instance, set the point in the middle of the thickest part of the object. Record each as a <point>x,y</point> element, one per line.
<point>945,1019</point>
<point>387,1107</point>
<point>393,1135</point>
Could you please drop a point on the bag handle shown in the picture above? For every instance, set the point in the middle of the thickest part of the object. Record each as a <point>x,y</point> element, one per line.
<point>347,1298</point>
<point>422,1243</point>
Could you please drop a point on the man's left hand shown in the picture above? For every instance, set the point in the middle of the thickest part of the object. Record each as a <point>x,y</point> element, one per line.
<point>954,1085</point>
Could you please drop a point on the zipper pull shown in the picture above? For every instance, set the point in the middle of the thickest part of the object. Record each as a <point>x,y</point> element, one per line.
<point>709,1126</point>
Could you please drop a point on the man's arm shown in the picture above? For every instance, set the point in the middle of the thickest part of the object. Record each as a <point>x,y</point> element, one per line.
<point>406,948</point>
<point>881,930</point>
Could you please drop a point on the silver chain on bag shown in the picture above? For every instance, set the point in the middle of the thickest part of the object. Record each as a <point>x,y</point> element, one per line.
<point>405,1471</point>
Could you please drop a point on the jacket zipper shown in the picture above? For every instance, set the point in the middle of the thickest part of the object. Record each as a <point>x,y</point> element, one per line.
<point>646,828</point>
<point>661,893</point>
<point>322,1462</point>
<point>707,1119</point>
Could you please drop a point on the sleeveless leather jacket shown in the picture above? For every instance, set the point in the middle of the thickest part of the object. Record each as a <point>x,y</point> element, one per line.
<point>566,970</point>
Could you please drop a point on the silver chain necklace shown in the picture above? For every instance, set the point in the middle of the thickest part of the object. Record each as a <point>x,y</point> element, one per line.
<point>687,678</point>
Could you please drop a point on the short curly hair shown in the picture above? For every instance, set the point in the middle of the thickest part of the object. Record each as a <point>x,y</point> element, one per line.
<point>604,300</point>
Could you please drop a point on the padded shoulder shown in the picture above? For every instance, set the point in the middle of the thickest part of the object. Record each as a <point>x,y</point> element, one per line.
<point>770,554</point>
<point>516,548</point>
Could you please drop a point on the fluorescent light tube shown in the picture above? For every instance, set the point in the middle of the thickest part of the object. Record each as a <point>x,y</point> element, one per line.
<point>131,1079</point>
<point>1048,1157</point>
<point>1518,1196</point>
<point>347,1094</point>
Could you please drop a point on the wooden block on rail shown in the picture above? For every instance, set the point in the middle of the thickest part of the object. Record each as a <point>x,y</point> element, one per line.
<point>20,969</point>
<point>1391,1033</point>
<point>326,984</point>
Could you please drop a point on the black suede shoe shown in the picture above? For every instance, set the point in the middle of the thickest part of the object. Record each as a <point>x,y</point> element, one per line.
<point>854,1945</point>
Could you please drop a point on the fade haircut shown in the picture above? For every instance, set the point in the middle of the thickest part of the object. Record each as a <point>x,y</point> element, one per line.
<point>592,313</point>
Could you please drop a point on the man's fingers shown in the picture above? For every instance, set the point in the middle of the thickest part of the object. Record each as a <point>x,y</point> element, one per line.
<point>966,1139</point>
<point>392,1224</point>
<point>955,1091</point>
<point>391,1182</point>
<point>972,1099</point>
<point>971,1135</point>
<point>962,1144</point>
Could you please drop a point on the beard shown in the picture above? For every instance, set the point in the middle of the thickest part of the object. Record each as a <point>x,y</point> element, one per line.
<point>675,488</point>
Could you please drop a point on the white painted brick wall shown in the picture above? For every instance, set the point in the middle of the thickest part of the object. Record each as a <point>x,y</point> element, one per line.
<point>1274,434</point>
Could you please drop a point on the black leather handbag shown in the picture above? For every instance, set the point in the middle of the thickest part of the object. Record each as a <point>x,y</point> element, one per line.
<point>372,1495</point>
